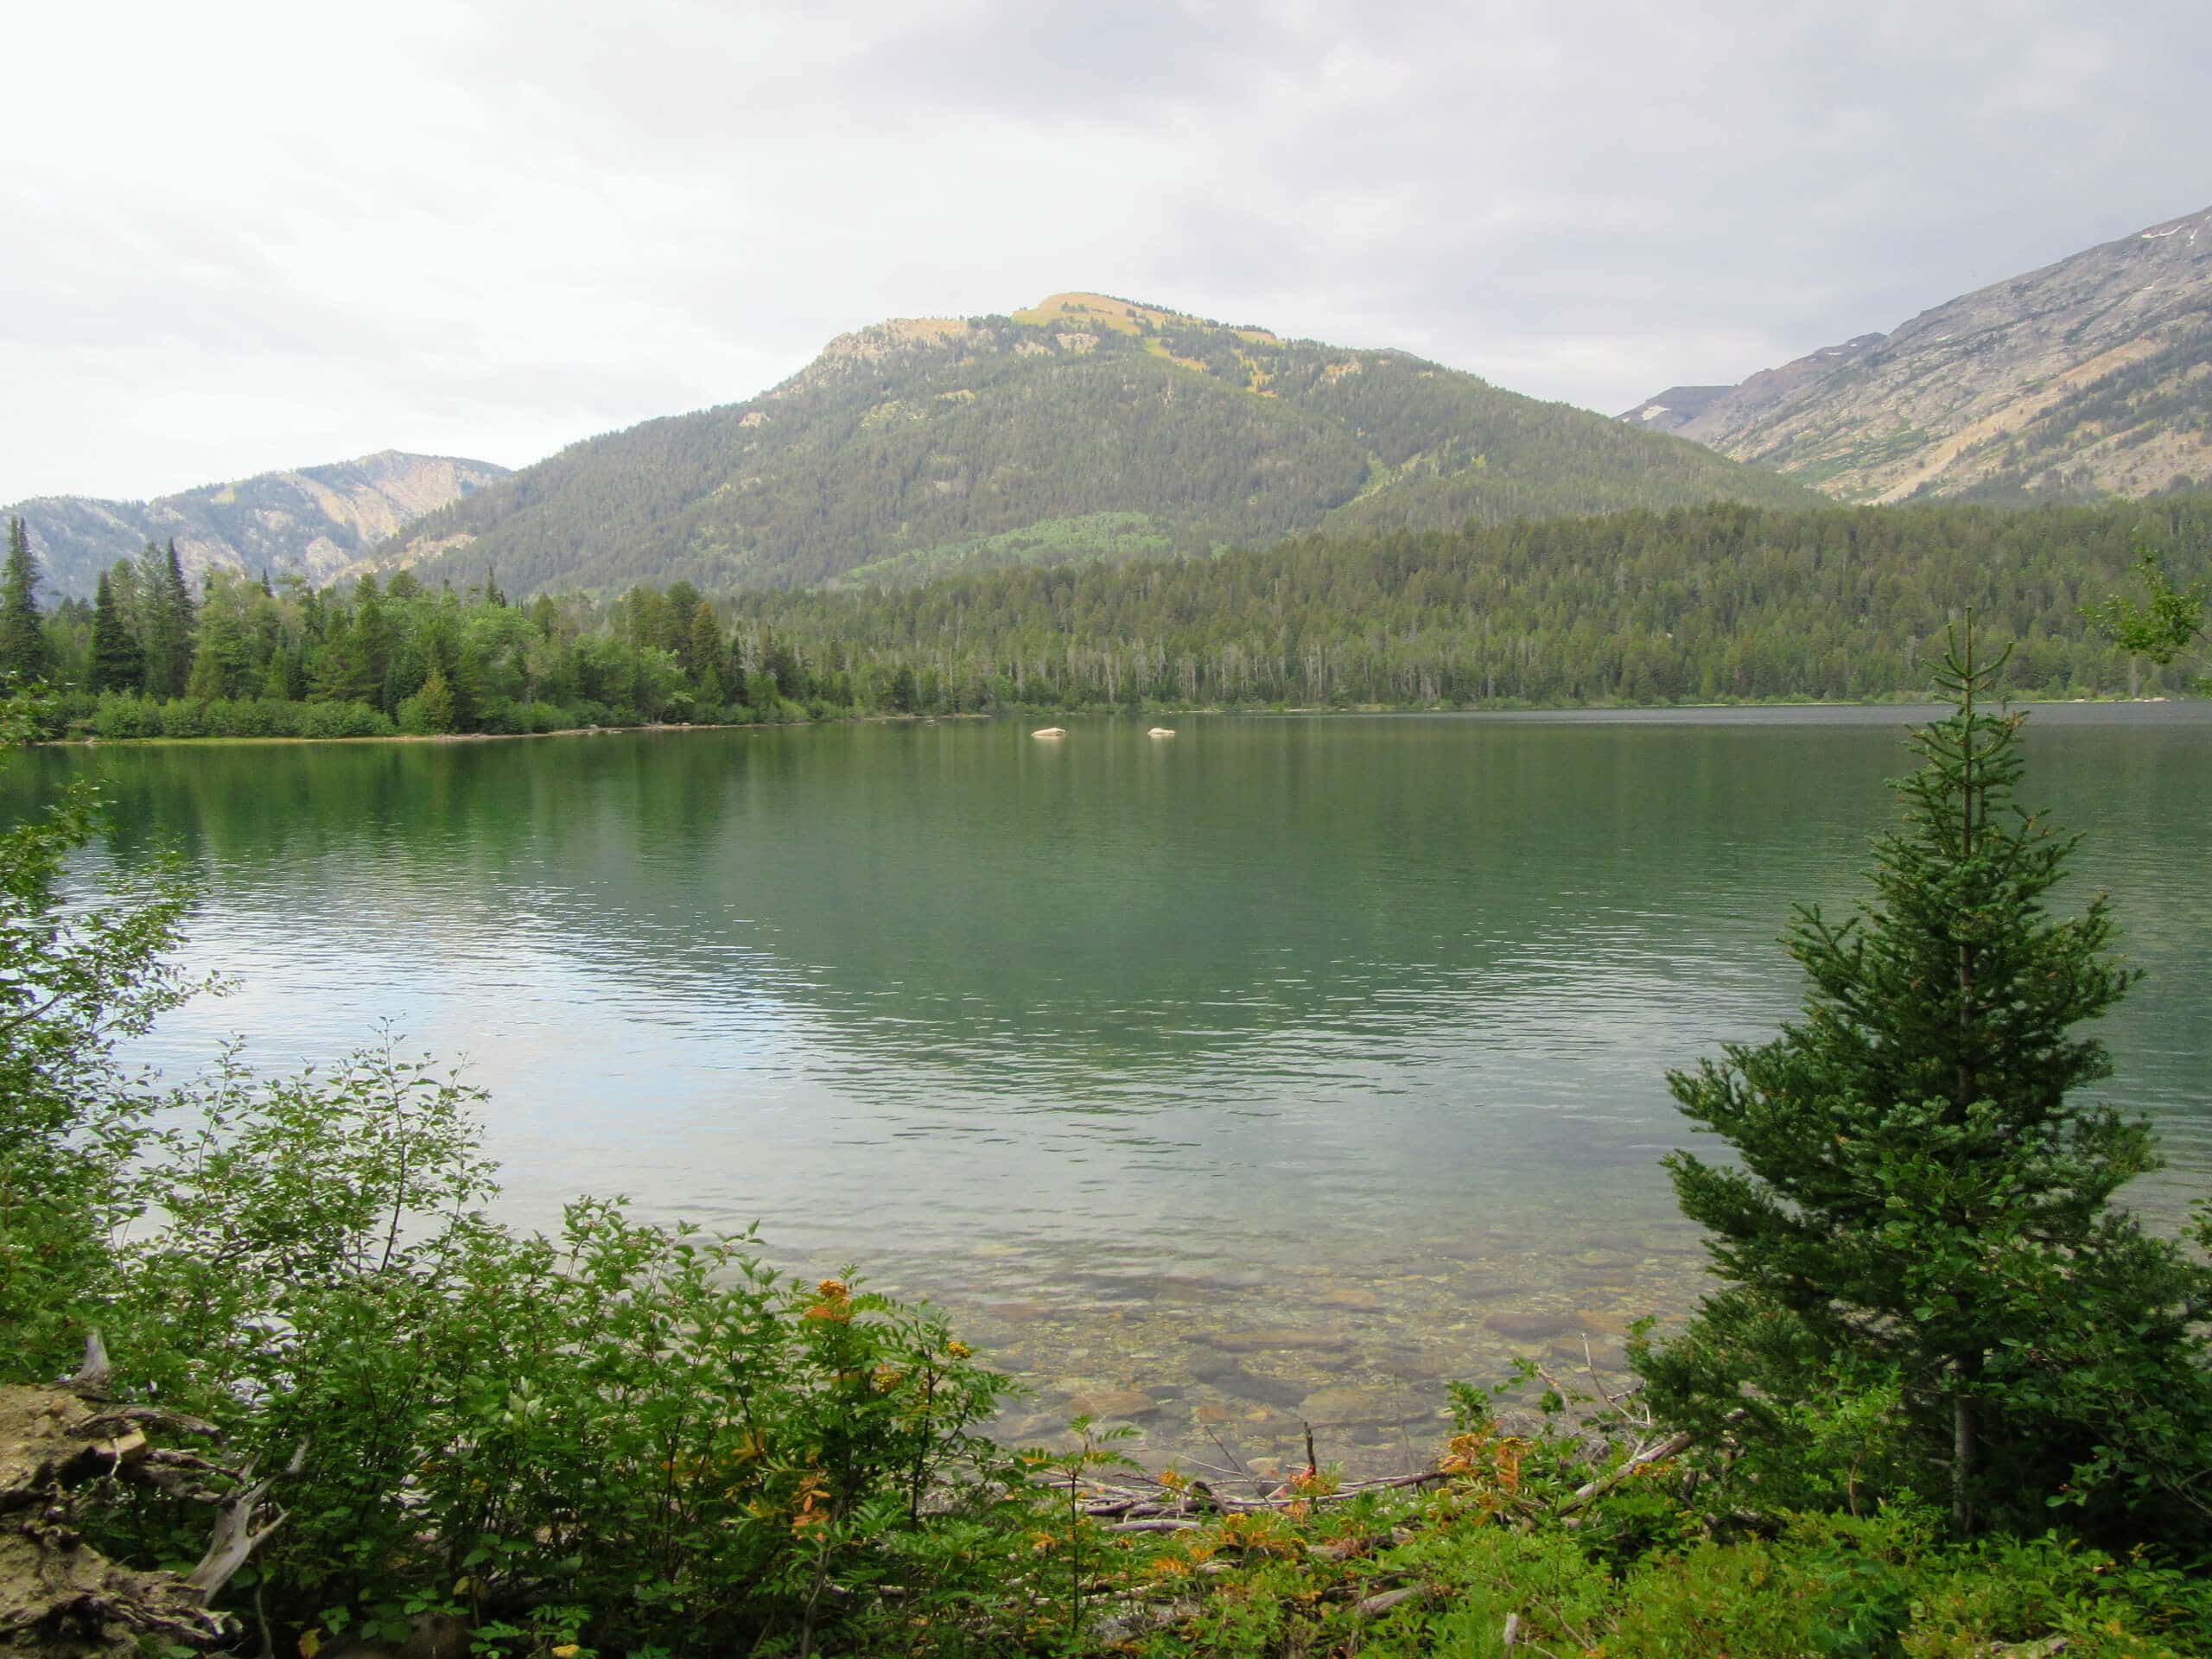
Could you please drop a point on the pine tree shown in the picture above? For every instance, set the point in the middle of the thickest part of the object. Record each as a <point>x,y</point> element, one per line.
<point>226,659</point>
<point>24,653</point>
<point>435,700</point>
<point>703,656</point>
<point>279,681</point>
<point>1922,1216</point>
<point>341,672</point>
<point>117,664</point>
<point>165,639</point>
<point>904,695</point>
<point>372,637</point>
<point>178,600</point>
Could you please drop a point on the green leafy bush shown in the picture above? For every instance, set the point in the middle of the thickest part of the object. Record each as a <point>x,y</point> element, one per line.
<point>343,720</point>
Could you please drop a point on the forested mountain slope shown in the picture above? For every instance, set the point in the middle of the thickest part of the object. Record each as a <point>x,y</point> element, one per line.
<point>1692,604</point>
<point>314,521</point>
<point>1084,427</point>
<point>2091,377</point>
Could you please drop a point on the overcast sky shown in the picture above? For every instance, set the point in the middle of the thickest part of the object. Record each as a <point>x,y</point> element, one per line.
<point>245,236</point>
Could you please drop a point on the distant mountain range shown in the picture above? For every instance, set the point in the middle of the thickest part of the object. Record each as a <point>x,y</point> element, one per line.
<point>1084,427</point>
<point>1091,426</point>
<point>2091,376</point>
<point>315,522</point>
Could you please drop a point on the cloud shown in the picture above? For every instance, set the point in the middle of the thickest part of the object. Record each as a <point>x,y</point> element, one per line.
<point>250,235</point>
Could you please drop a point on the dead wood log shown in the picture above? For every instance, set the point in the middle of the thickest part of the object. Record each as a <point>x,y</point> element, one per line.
<point>61,1450</point>
<point>1375,1605</point>
<point>92,1376</point>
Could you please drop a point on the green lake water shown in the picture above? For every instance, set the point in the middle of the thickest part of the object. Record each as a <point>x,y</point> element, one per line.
<point>1283,1069</point>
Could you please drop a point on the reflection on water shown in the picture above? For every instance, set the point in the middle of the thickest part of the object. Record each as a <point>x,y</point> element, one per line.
<point>1284,1070</point>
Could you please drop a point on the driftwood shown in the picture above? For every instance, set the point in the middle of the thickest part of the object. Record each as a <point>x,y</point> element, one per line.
<point>62,1450</point>
<point>1160,1507</point>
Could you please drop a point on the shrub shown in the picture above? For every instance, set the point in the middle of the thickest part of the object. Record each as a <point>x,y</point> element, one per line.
<point>181,718</point>
<point>343,720</point>
<point>647,1417</point>
<point>126,714</point>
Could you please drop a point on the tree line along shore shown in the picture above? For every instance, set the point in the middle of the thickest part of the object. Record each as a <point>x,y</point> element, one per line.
<point>1693,606</point>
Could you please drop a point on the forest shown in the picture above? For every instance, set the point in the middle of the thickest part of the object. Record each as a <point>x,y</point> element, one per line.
<point>1709,604</point>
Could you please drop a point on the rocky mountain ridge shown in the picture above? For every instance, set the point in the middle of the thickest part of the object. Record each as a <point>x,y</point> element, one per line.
<point>2091,377</point>
<point>314,521</point>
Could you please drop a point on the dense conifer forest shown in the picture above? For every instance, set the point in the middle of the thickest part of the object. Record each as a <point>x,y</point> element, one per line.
<point>1692,604</point>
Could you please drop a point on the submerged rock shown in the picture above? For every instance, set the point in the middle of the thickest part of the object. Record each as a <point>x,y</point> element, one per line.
<point>1276,1339</point>
<point>1530,1326</point>
<point>1113,1402</point>
<point>1342,1404</point>
<point>1362,1300</point>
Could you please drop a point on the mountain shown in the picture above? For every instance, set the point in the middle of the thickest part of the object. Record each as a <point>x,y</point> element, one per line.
<point>2092,376</point>
<point>314,521</point>
<point>1086,426</point>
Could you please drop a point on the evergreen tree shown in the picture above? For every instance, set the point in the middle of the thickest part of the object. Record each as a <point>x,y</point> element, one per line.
<point>372,639</point>
<point>703,654</point>
<point>166,636</point>
<point>179,592</point>
<point>436,700</point>
<point>341,672</point>
<point>1922,1217</point>
<point>279,681</point>
<point>904,695</point>
<point>24,653</point>
<point>224,659</point>
<point>672,621</point>
<point>117,664</point>
<point>467,687</point>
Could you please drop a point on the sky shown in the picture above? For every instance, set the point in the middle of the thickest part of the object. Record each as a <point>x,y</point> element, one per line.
<point>245,236</point>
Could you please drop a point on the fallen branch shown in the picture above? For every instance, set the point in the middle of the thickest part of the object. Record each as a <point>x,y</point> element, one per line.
<point>1375,1606</point>
<point>1666,1448</point>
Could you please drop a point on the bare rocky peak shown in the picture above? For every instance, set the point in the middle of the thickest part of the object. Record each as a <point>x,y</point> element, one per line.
<point>2093,375</point>
<point>1675,408</point>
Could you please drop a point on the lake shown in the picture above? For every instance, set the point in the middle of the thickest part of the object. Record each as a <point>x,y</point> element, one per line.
<point>1283,1069</point>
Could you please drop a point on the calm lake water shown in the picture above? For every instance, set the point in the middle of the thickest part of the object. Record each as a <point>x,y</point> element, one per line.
<point>1284,1068</point>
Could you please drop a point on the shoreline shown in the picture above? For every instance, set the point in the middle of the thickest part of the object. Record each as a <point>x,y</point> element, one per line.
<point>1361,710</point>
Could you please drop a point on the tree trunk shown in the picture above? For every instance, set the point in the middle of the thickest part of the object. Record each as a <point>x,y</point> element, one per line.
<point>1965,1428</point>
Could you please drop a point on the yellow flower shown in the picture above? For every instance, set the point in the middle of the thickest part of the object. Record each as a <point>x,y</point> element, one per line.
<point>958,1350</point>
<point>567,1650</point>
<point>834,1289</point>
